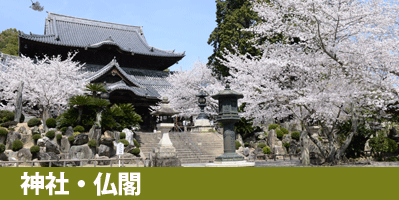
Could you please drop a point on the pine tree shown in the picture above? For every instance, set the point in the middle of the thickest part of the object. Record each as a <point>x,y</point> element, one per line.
<point>231,16</point>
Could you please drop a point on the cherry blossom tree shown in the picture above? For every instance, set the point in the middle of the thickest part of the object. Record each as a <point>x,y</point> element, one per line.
<point>338,59</point>
<point>48,82</point>
<point>185,85</point>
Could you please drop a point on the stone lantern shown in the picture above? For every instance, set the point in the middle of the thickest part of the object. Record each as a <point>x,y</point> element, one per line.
<point>202,123</point>
<point>165,153</point>
<point>228,115</point>
<point>202,103</point>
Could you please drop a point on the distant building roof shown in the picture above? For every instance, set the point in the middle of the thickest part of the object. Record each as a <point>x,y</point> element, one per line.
<point>85,33</point>
<point>148,83</point>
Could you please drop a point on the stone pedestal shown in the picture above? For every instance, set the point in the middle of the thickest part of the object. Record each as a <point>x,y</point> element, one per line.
<point>165,153</point>
<point>202,125</point>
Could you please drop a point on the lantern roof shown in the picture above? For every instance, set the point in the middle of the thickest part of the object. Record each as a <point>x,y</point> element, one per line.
<point>227,92</point>
<point>165,109</point>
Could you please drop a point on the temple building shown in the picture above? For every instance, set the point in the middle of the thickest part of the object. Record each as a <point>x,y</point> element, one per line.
<point>115,54</point>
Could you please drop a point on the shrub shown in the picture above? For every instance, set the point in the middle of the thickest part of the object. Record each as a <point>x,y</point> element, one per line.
<point>266,150</point>
<point>3,131</point>
<point>287,145</point>
<point>75,134</point>
<point>51,123</point>
<point>50,134</point>
<point>35,149</point>
<point>124,142</point>
<point>92,143</point>
<point>122,135</point>
<point>273,126</point>
<point>11,129</point>
<point>285,131</point>
<point>238,144</point>
<point>2,148</point>
<point>6,116</point>
<point>321,139</point>
<point>36,136</point>
<point>17,145</point>
<point>246,144</point>
<point>280,134</point>
<point>34,122</point>
<point>266,133</point>
<point>382,144</point>
<point>79,129</point>
<point>261,145</point>
<point>59,136</point>
<point>63,129</point>
<point>135,151</point>
<point>119,116</point>
<point>71,138</point>
<point>136,144</point>
<point>295,135</point>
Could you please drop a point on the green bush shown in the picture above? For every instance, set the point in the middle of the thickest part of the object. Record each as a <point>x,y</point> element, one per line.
<point>59,136</point>
<point>295,135</point>
<point>34,122</point>
<point>136,144</point>
<point>50,134</point>
<point>280,134</point>
<point>17,145</point>
<point>6,116</point>
<point>238,145</point>
<point>285,131</point>
<point>124,142</point>
<point>92,143</point>
<point>246,144</point>
<point>287,145</point>
<point>35,149</point>
<point>266,150</point>
<point>51,123</point>
<point>36,136</point>
<point>79,129</point>
<point>122,135</point>
<point>261,145</point>
<point>71,138</point>
<point>120,116</point>
<point>75,134</point>
<point>11,129</point>
<point>63,129</point>
<point>382,144</point>
<point>135,151</point>
<point>266,133</point>
<point>273,126</point>
<point>3,131</point>
<point>2,148</point>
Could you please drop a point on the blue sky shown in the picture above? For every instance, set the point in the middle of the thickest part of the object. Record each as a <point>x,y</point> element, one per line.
<point>183,25</point>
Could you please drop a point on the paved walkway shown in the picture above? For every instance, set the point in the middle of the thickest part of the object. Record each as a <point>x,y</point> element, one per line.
<point>296,163</point>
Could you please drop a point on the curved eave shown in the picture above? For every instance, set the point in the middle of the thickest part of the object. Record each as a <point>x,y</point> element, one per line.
<point>52,39</point>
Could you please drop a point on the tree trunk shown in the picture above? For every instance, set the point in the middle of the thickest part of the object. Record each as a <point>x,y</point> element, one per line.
<point>304,141</point>
<point>80,114</point>
<point>18,103</point>
<point>45,116</point>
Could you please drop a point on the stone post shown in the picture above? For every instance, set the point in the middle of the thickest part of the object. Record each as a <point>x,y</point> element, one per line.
<point>18,103</point>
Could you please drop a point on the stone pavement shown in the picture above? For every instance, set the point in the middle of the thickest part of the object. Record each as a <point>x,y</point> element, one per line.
<point>296,163</point>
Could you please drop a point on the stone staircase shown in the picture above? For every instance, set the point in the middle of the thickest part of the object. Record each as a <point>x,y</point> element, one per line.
<point>190,147</point>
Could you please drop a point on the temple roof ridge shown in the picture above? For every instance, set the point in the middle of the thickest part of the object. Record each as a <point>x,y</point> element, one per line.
<point>70,31</point>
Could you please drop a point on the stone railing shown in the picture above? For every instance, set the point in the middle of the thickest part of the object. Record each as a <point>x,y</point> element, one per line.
<point>139,162</point>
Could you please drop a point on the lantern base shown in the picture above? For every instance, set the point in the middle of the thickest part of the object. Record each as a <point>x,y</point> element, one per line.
<point>231,164</point>
<point>226,157</point>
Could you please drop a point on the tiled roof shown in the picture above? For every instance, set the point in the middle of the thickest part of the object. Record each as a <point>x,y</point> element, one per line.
<point>149,82</point>
<point>84,33</point>
<point>4,58</point>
